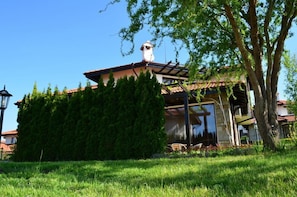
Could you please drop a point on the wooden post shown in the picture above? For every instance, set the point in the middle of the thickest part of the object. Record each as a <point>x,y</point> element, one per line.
<point>187,119</point>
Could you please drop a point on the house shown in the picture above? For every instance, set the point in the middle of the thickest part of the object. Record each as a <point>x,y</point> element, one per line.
<point>10,137</point>
<point>213,120</point>
<point>7,146</point>
<point>285,118</point>
<point>4,149</point>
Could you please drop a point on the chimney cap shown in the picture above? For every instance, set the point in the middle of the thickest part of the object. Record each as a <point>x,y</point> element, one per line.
<point>147,44</point>
<point>147,52</point>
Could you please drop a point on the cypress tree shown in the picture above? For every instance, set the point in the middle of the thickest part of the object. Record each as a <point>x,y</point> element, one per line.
<point>149,124</point>
<point>157,116</point>
<point>96,111</point>
<point>113,122</point>
<point>43,125</point>
<point>73,115</point>
<point>59,109</point>
<point>24,113</point>
<point>84,123</point>
<point>37,102</point>
<point>126,117</point>
<point>107,134</point>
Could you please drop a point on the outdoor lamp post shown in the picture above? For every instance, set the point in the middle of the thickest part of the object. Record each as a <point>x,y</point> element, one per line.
<point>4,98</point>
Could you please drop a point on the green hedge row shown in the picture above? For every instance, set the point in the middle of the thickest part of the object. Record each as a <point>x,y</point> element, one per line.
<point>123,120</point>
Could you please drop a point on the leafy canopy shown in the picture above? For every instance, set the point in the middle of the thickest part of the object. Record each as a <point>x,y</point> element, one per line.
<point>290,63</point>
<point>203,27</point>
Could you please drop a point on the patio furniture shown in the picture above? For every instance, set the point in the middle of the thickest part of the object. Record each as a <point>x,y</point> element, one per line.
<point>178,147</point>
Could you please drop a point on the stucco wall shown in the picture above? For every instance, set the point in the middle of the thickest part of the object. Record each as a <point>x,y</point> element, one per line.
<point>121,74</point>
<point>128,73</point>
<point>282,110</point>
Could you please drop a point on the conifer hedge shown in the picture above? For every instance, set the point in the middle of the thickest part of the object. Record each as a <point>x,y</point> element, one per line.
<point>123,120</point>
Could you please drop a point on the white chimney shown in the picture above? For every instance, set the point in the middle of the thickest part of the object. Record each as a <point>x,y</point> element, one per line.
<point>147,52</point>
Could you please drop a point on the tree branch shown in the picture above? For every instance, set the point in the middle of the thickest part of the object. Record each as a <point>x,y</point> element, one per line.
<point>242,48</point>
<point>268,15</point>
<point>266,25</point>
<point>287,20</point>
<point>257,50</point>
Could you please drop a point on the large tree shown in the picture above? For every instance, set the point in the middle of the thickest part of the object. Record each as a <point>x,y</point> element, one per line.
<point>249,33</point>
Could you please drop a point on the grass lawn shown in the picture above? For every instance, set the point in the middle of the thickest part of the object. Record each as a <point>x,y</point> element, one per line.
<point>273,174</point>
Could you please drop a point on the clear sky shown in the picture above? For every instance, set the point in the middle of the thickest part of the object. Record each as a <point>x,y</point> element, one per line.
<point>53,42</point>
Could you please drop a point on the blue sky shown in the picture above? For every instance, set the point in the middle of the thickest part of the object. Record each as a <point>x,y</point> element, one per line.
<point>55,41</point>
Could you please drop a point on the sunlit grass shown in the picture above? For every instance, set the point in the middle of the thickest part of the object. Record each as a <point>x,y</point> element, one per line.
<point>271,174</point>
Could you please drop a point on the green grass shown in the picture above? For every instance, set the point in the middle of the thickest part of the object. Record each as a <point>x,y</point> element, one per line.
<point>273,174</point>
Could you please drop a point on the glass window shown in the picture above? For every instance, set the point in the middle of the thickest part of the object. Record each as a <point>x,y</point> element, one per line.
<point>205,130</point>
<point>202,124</point>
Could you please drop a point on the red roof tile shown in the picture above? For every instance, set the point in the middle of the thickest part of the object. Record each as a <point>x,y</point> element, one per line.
<point>13,132</point>
<point>5,147</point>
<point>200,86</point>
<point>281,102</point>
<point>83,88</point>
<point>286,118</point>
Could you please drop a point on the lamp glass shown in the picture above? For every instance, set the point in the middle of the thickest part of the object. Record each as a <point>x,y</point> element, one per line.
<point>4,102</point>
<point>4,95</point>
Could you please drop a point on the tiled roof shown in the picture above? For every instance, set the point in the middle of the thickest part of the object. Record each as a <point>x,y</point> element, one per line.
<point>199,86</point>
<point>5,147</point>
<point>157,68</point>
<point>83,88</point>
<point>286,118</point>
<point>190,87</point>
<point>71,91</point>
<point>13,132</point>
<point>281,102</point>
<point>164,69</point>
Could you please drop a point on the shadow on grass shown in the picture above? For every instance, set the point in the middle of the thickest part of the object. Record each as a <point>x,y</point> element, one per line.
<point>233,175</point>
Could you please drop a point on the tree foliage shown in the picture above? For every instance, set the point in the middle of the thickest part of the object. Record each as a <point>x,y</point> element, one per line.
<point>290,63</point>
<point>116,121</point>
<point>216,33</point>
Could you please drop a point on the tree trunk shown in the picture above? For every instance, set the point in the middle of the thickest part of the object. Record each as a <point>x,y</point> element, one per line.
<point>265,94</point>
<point>269,132</point>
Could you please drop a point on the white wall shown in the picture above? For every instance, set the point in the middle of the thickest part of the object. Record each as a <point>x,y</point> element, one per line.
<point>282,110</point>
<point>10,139</point>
